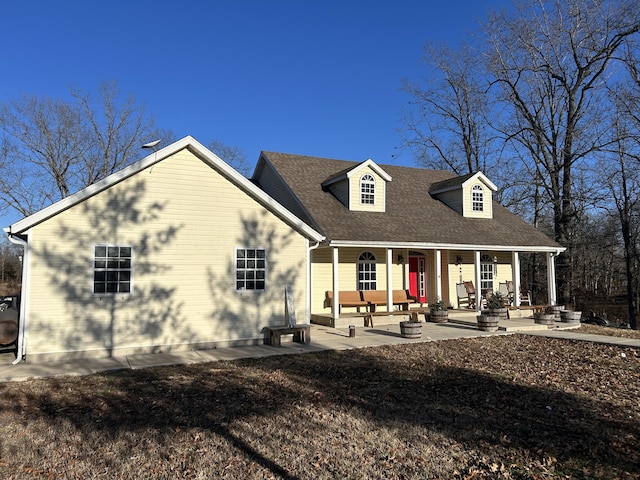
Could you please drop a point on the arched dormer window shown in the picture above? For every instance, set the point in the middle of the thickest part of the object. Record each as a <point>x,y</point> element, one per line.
<point>477,198</point>
<point>367,189</point>
<point>366,271</point>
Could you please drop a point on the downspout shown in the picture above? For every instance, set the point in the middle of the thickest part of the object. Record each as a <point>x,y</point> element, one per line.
<point>309,284</point>
<point>22,318</point>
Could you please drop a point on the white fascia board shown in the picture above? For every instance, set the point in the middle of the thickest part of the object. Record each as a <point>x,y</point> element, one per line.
<point>445,246</point>
<point>374,166</point>
<point>479,176</point>
<point>196,147</point>
<point>71,200</point>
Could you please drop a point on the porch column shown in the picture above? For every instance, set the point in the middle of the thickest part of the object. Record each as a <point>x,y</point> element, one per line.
<point>335,310</point>
<point>551,278</point>
<point>476,281</point>
<point>438,274</point>
<point>389,280</point>
<point>515,278</point>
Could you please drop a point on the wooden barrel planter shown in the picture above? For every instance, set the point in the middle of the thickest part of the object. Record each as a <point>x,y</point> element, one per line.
<point>411,329</point>
<point>8,332</point>
<point>556,309</point>
<point>569,316</point>
<point>488,323</point>
<point>439,316</point>
<point>544,318</point>
<point>496,312</point>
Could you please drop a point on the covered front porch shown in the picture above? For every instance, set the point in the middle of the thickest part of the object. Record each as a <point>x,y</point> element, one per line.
<point>426,274</point>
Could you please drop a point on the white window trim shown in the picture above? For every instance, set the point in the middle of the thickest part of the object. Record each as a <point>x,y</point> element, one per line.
<point>235,270</point>
<point>477,190</point>
<point>375,270</point>
<point>370,182</point>
<point>93,270</point>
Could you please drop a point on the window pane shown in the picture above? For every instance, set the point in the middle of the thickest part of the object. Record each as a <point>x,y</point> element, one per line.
<point>250,265</point>
<point>112,269</point>
<point>112,276</point>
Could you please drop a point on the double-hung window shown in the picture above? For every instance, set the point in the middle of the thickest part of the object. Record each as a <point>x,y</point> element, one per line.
<point>112,269</point>
<point>251,269</point>
<point>367,190</point>
<point>477,198</point>
<point>367,271</point>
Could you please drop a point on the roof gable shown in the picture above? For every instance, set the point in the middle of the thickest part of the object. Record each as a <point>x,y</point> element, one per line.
<point>197,149</point>
<point>456,183</point>
<point>354,170</point>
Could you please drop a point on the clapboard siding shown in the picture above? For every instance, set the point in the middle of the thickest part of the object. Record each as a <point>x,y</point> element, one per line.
<point>184,221</point>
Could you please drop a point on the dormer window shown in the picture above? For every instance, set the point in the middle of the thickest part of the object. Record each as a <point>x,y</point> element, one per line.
<point>477,198</point>
<point>367,189</point>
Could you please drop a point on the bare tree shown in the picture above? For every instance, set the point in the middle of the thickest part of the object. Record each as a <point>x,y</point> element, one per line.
<point>234,156</point>
<point>551,59</point>
<point>51,148</point>
<point>114,130</point>
<point>446,125</point>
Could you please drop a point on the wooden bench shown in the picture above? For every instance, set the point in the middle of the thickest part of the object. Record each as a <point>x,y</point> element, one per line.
<point>301,334</point>
<point>347,298</point>
<point>377,298</point>
<point>374,298</point>
<point>413,315</point>
<point>403,299</point>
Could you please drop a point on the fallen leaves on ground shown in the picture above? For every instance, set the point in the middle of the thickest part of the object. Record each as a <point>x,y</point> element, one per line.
<point>503,407</point>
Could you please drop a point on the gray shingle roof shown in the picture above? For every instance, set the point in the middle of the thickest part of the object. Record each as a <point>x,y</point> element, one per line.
<point>412,215</point>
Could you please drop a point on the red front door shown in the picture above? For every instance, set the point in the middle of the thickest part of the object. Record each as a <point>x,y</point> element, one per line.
<point>417,278</point>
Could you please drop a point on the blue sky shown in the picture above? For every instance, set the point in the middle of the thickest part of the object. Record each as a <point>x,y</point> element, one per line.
<point>317,78</point>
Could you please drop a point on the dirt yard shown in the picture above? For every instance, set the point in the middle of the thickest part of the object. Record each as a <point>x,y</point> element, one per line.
<point>511,407</point>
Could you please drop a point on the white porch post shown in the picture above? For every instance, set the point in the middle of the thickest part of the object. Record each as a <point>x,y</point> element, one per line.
<point>438,274</point>
<point>389,280</point>
<point>515,278</point>
<point>551,278</point>
<point>335,310</point>
<point>476,282</point>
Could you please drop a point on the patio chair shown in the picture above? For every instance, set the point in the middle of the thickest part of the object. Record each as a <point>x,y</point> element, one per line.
<point>466,294</point>
<point>525,295</point>
<point>503,288</point>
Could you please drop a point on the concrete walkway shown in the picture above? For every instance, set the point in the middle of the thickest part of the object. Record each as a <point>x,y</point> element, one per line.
<point>322,338</point>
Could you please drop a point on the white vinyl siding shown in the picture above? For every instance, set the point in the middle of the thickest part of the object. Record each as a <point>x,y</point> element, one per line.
<point>183,221</point>
<point>376,191</point>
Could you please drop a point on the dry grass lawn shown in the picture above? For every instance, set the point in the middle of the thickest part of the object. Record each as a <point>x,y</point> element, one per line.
<point>514,406</point>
